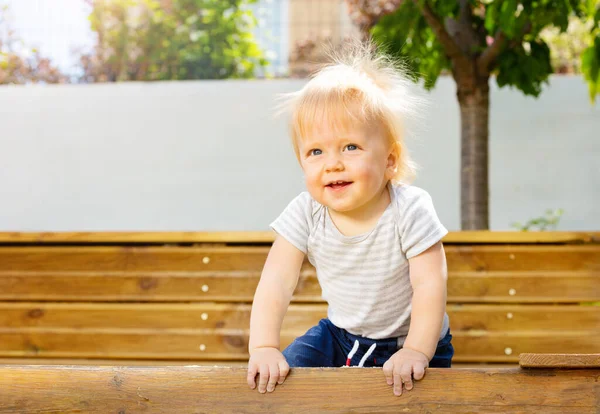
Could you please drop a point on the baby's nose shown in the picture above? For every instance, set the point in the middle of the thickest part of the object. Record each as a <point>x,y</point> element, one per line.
<point>334,164</point>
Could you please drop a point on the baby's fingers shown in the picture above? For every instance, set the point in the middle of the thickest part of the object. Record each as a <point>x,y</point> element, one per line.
<point>252,371</point>
<point>388,371</point>
<point>397,382</point>
<point>273,377</point>
<point>264,378</point>
<point>406,375</point>
<point>418,372</point>
<point>284,370</point>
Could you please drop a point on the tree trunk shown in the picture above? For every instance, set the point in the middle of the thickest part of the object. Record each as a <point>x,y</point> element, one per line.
<point>473,98</point>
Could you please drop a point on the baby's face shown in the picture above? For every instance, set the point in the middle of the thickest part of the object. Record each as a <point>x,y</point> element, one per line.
<point>346,170</point>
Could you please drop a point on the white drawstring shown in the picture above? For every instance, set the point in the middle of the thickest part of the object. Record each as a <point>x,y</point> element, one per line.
<point>369,352</point>
<point>352,352</point>
<point>364,358</point>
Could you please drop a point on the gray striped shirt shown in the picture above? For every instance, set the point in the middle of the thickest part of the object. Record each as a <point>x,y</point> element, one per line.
<point>365,278</point>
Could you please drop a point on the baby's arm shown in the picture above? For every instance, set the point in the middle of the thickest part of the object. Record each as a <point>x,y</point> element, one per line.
<point>271,300</point>
<point>428,276</point>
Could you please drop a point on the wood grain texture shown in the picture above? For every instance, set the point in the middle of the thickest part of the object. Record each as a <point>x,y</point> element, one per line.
<point>550,258</point>
<point>239,286</point>
<point>166,362</point>
<point>207,363</point>
<point>211,331</point>
<point>493,287</point>
<point>244,237</point>
<point>468,237</point>
<point>233,344</point>
<point>559,360</point>
<point>230,274</point>
<point>508,294</point>
<point>37,389</point>
<point>474,319</point>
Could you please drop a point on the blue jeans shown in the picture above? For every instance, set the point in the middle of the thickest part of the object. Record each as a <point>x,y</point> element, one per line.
<point>326,345</point>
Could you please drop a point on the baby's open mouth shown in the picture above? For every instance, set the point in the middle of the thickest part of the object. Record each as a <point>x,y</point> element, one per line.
<point>336,185</point>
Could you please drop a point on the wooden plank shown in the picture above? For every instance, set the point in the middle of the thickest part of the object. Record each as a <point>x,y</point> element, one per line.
<point>147,286</point>
<point>250,237</point>
<point>518,237</point>
<point>115,331</point>
<point>484,273</point>
<point>244,237</point>
<point>239,286</point>
<point>160,362</point>
<point>524,287</point>
<point>550,258</point>
<point>175,362</point>
<point>529,318</point>
<point>221,286</point>
<point>158,317</point>
<point>470,319</point>
<point>507,346</point>
<point>559,360</point>
<point>132,259</point>
<point>36,389</point>
<point>233,345</point>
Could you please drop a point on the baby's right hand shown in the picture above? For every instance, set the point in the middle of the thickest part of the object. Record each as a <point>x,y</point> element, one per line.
<point>271,365</point>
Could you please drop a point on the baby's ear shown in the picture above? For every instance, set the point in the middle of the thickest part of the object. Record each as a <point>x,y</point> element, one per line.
<point>393,159</point>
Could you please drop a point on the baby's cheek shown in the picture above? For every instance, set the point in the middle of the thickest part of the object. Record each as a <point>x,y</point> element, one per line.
<point>364,172</point>
<point>311,180</point>
<point>313,185</point>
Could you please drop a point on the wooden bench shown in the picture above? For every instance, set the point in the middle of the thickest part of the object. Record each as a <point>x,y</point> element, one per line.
<point>185,298</point>
<point>552,386</point>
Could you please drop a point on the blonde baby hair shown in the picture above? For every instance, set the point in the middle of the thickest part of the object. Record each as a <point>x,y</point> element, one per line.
<point>357,84</point>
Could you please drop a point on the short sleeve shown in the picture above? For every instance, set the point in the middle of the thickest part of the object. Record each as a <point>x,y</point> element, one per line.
<point>295,222</point>
<point>419,226</point>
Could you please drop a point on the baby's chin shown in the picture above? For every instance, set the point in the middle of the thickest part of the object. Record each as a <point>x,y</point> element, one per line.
<point>340,207</point>
<point>318,197</point>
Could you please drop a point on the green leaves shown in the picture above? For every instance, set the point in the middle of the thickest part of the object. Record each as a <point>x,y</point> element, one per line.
<point>523,61</point>
<point>491,19</point>
<point>590,66</point>
<point>525,66</point>
<point>549,221</point>
<point>406,34</point>
<point>510,16</point>
<point>590,59</point>
<point>189,39</point>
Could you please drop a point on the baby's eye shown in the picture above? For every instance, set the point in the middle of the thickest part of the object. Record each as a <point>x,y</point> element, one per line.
<point>351,147</point>
<point>315,151</point>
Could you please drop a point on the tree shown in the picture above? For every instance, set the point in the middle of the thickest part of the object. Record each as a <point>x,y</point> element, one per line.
<point>171,40</point>
<point>19,65</point>
<point>567,48</point>
<point>473,40</point>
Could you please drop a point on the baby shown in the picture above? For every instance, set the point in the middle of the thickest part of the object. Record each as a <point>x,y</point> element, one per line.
<point>374,240</point>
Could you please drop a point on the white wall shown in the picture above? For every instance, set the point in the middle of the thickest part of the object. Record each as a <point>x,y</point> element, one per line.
<point>208,155</point>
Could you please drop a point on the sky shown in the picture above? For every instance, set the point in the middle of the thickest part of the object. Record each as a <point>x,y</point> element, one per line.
<point>54,27</point>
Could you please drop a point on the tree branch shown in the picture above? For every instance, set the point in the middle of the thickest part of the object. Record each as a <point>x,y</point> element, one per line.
<point>464,13</point>
<point>465,17</point>
<point>489,55</point>
<point>450,46</point>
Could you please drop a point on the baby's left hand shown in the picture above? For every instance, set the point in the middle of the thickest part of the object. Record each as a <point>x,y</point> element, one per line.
<point>404,366</point>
